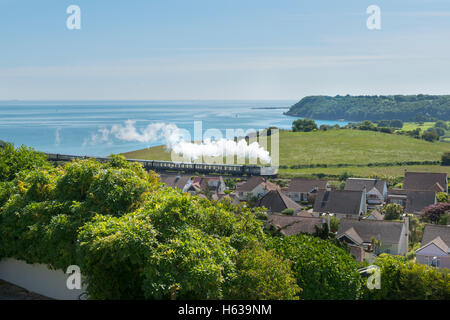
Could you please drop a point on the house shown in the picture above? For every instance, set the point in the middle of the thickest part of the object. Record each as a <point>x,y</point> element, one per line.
<point>180,182</point>
<point>213,185</point>
<point>277,202</point>
<point>255,187</point>
<point>413,201</point>
<point>299,189</point>
<point>375,215</point>
<point>342,203</point>
<point>392,235</point>
<point>437,182</point>
<point>435,246</point>
<point>376,190</point>
<point>292,225</point>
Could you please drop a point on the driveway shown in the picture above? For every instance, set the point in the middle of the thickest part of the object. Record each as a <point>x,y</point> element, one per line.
<point>9,291</point>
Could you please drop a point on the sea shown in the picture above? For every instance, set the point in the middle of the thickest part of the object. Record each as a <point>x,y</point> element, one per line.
<point>78,127</point>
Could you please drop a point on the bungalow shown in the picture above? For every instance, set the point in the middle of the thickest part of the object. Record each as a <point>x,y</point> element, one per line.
<point>214,185</point>
<point>180,182</point>
<point>437,182</point>
<point>391,235</point>
<point>342,203</point>
<point>376,190</point>
<point>277,202</point>
<point>435,246</point>
<point>255,187</point>
<point>413,201</point>
<point>292,225</point>
<point>299,189</point>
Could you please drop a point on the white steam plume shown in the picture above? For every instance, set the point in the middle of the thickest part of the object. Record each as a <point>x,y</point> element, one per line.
<point>174,140</point>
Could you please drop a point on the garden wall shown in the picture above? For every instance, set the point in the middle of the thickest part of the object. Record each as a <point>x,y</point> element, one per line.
<point>38,278</point>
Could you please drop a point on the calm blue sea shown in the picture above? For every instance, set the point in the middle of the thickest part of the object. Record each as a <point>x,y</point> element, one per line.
<point>67,127</point>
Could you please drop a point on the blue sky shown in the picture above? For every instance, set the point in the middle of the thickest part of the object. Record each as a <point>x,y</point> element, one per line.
<point>229,49</point>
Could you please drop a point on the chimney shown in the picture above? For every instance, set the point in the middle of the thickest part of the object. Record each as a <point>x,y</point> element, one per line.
<point>406,225</point>
<point>328,221</point>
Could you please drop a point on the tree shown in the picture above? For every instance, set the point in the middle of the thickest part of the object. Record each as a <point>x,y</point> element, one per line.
<point>442,197</point>
<point>253,282</point>
<point>392,211</point>
<point>13,160</point>
<point>322,270</point>
<point>430,136</point>
<point>434,212</point>
<point>446,159</point>
<point>404,280</point>
<point>304,125</point>
<point>441,124</point>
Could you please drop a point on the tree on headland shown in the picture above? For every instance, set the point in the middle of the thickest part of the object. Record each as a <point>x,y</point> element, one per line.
<point>304,125</point>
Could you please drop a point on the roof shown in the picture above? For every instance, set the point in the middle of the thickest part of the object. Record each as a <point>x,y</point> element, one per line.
<point>438,242</point>
<point>388,232</point>
<point>250,184</point>
<point>377,215</point>
<point>303,185</point>
<point>357,184</point>
<point>291,225</point>
<point>276,201</point>
<point>432,231</point>
<point>425,181</point>
<point>353,235</point>
<point>175,181</point>
<point>416,201</point>
<point>338,201</point>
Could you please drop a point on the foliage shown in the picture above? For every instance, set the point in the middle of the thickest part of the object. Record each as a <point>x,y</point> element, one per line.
<point>13,160</point>
<point>446,159</point>
<point>304,125</point>
<point>430,136</point>
<point>253,281</point>
<point>113,251</point>
<point>434,212</point>
<point>359,108</point>
<point>323,270</point>
<point>288,212</point>
<point>442,197</point>
<point>392,211</point>
<point>403,280</point>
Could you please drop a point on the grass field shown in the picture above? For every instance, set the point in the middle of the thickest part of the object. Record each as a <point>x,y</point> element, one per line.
<point>353,147</point>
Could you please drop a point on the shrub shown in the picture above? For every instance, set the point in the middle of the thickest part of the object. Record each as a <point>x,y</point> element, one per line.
<point>392,211</point>
<point>14,160</point>
<point>430,136</point>
<point>322,270</point>
<point>304,125</point>
<point>403,280</point>
<point>446,159</point>
<point>434,212</point>
<point>253,282</point>
<point>288,211</point>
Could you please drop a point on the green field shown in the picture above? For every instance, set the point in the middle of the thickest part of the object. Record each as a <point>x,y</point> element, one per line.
<point>349,147</point>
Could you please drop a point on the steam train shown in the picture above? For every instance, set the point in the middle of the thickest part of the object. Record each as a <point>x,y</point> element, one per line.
<point>203,168</point>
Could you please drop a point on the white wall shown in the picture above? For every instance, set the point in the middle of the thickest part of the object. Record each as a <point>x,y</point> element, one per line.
<point>38,278</point>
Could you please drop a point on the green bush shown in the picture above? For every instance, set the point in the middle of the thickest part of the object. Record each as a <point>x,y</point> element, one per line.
<point>323,270</point>
<point>403,280</point>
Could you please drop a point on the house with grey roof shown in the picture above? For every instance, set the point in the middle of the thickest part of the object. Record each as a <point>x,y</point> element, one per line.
<point>437,182</point>
<point>292,225</point>
<point>412,201</point>
<point>276,202</point>
<point>181,182</point>
<point>435,246</point>
<point>376,189</point>
<point>392,236</point>
<point>255,186</point>
<point>299,189</point>
<point>341,203</point>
